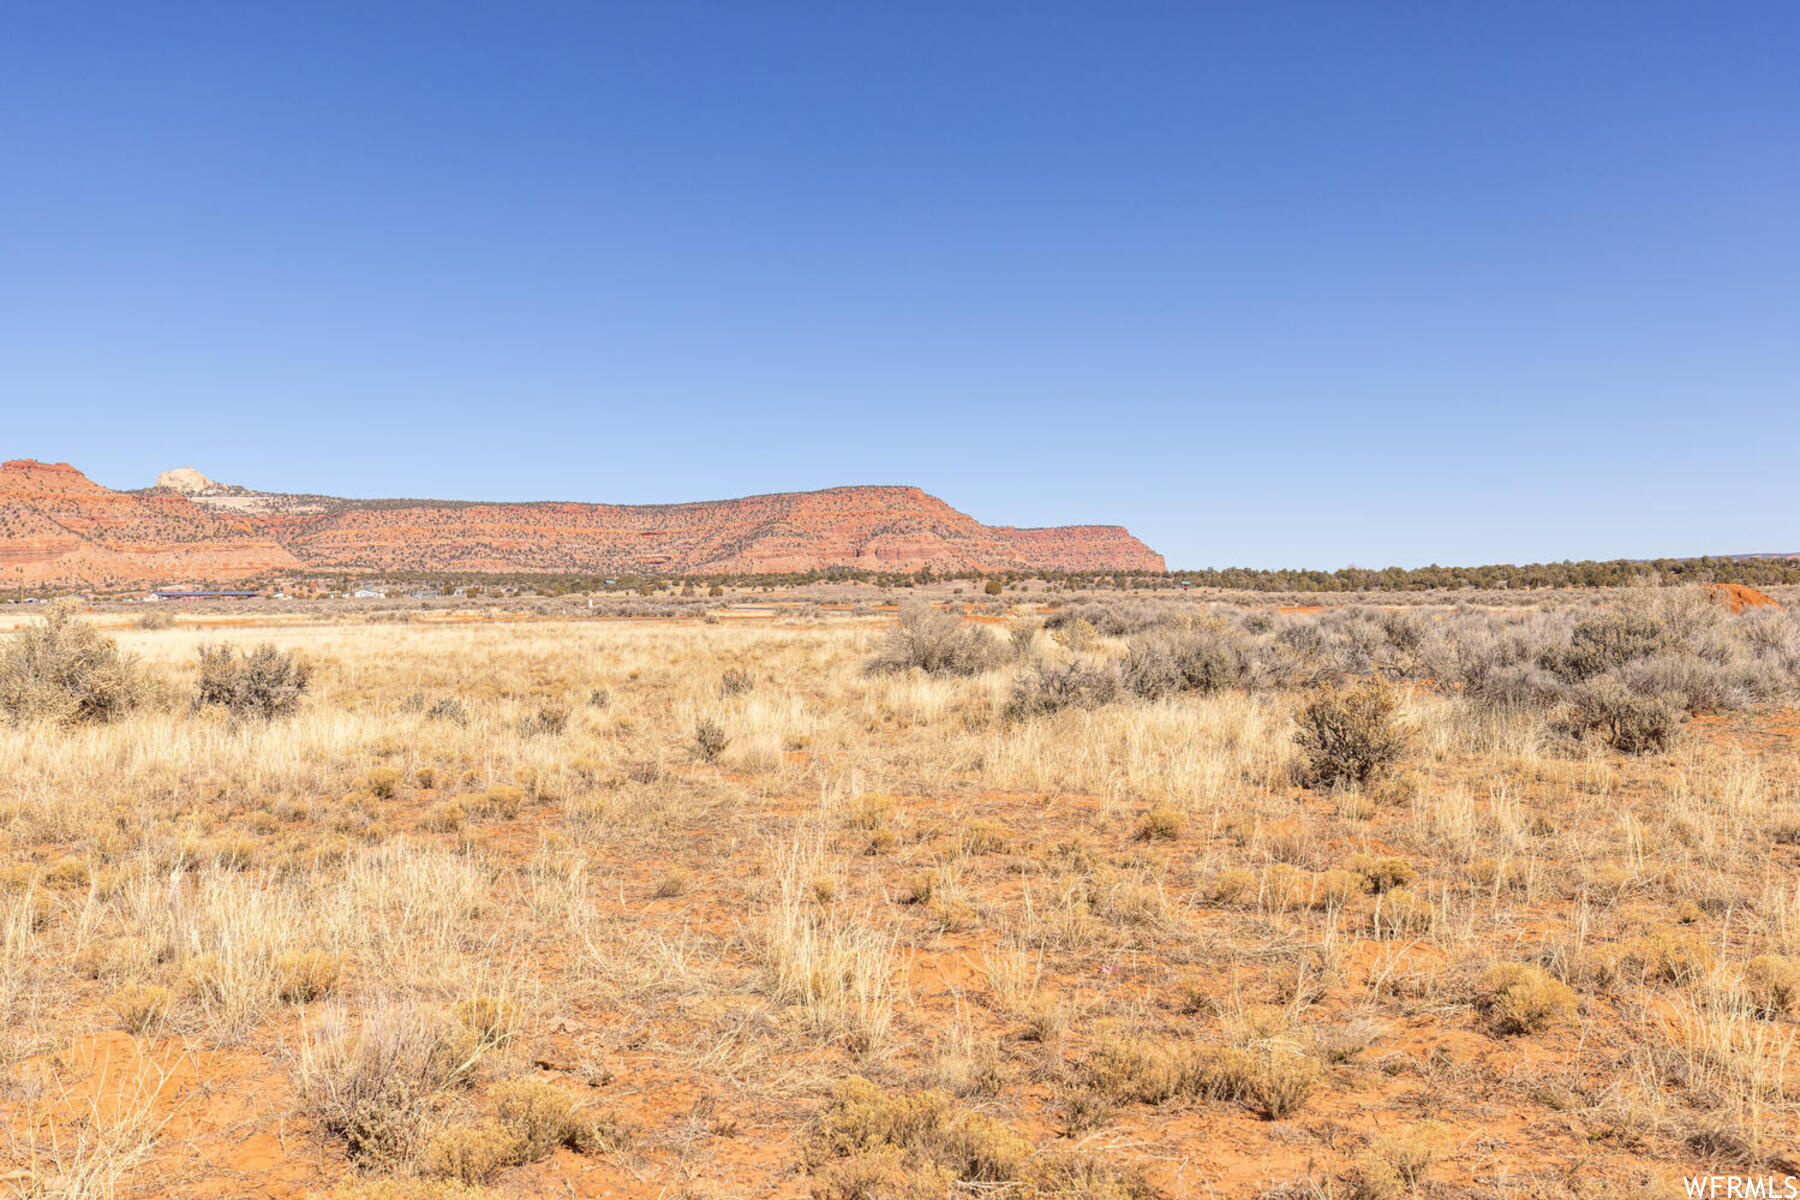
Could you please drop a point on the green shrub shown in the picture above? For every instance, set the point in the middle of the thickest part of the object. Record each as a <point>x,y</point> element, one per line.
<point>63,670</point>
<point>265,683</point>
<point>1350,736</point>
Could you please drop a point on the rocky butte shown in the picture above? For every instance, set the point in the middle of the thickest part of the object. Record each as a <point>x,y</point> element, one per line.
<point>58,527</point>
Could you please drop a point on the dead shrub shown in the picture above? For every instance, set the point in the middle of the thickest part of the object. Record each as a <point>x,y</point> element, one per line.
<point>303,976</point>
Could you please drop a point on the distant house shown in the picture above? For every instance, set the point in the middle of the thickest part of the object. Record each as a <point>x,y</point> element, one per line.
<point>369,594</point>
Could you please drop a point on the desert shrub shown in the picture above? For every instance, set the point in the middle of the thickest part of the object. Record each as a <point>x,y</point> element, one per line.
<point>735,682</point>
<point>1278,1082</point>
<point>938,643</point>
<point>1628,722</point>
<point>539,1117</point>
<point>1772,983</point>
<point>1337,887</point>
<point>1670,954</point>
<point>1686,682</point>
<point>1521,998</point>
<point>1384,873</point>
<point>992,587</point>
<point>155,620</point>
<point>1022,640</point>
<point>710,739</point>
<point>372,1085</point>
<point>1394,1166</point>
<point>1350,736</point>
<point>450,709</point>
<point>383,782</point>
<point>1604,642</point>
<point>1273,1080</point>
<point>1051,687</point>
<point>63,670</point>
<point>1233,884</point>
<point>1401,913</point>
<point>1165,662</point>
<point>504,800</point>
<point>266,682</point>
<point>549,720</point>
<point>914,1143</point>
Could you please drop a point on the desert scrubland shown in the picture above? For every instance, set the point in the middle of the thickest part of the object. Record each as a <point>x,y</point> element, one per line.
<point>1113,898</point>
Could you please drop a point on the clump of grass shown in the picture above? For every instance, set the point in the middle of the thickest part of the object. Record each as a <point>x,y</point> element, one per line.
<point>530,1119</point>
<point>303,976</point>
<point>62,669</point>
<point>1350,736</point>
<point>1772,982</point>
<point>446,816</point>
<point>735,682</point>
<point>265,682</point>
<point>383,782</point>
<point>140,1007</point>
<point>1162,824</point>
<point>867,1142</point>
<point>372,1085</point>
<point>1401,913</point>
<point>1521,998</point>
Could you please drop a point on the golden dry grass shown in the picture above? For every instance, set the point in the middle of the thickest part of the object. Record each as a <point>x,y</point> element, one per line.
<point>377,949</point>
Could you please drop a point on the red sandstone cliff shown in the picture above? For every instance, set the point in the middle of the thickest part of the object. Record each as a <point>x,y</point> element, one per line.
<point>57,526</point>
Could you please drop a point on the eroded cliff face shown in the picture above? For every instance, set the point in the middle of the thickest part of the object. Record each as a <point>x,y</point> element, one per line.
<point>57,526</point>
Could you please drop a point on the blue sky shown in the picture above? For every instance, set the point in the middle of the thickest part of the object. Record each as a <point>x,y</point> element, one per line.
<point>1276,284</point>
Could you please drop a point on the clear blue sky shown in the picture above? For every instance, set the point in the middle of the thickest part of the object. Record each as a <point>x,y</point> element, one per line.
<point>1274,284</point>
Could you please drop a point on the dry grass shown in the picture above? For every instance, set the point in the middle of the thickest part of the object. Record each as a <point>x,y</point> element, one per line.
<point>454,924</point>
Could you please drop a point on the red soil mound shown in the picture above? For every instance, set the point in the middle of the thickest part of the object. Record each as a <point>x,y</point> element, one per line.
<point>1737,597</point>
